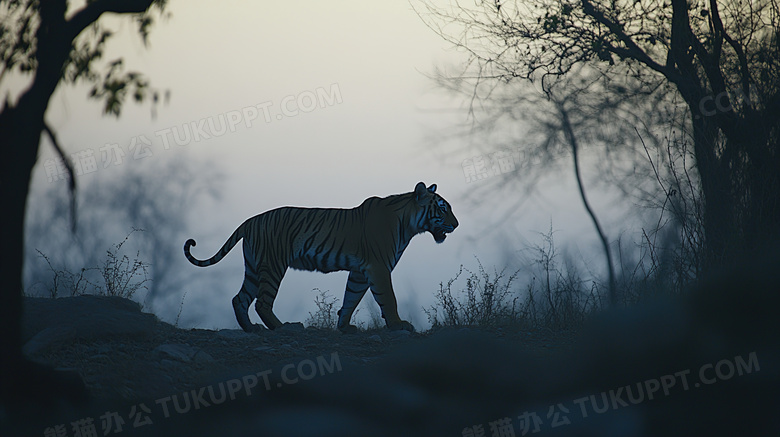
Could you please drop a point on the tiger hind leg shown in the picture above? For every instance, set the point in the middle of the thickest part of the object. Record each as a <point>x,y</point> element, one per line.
<point>241,303</point>
<point>270,278</point>
<point>250,290</point>
<point>357,284</point>
<point>264,308</point>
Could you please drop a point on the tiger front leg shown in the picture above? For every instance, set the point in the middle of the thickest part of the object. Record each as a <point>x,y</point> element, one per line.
<point>382,289</point>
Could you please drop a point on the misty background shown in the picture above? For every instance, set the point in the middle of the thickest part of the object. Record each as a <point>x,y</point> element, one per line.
<point>319,105</point>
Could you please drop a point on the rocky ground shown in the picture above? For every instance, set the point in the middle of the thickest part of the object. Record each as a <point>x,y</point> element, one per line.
<point>126,357</point>
<point>705,364</point>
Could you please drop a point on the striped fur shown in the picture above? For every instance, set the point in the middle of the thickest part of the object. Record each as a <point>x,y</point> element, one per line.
<point>367,241</point>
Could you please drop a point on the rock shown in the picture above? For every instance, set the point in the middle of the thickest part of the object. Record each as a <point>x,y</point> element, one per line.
<point>46,322</point>
<point>400,334</point>
<point>292,327</point>
<point>234,333</point>
<point>103,349</point>
<point>289,347</point>
<point>47,338</point>
<point>183,352</point>
<point>202,357</point>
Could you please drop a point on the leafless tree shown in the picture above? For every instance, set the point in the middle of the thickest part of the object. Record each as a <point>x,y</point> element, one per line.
<point>720,59</point>
<point>155,194</point>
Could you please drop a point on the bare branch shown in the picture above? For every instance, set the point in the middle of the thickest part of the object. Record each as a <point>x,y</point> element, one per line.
<point>743,64</point>
<point>93,10</point>
<point>632,50</point>
<point>71,174</point>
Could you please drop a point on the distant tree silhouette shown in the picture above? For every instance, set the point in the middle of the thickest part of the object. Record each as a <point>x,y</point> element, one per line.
<point>158,195</point>
<point>720,58</point>
<point>50,43</point>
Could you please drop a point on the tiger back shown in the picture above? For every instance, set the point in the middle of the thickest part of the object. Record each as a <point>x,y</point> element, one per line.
<point>367,241</point>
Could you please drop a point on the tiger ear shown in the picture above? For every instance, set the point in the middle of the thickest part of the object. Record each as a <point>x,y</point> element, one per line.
<point>420,192</point>
<point>432,188</point>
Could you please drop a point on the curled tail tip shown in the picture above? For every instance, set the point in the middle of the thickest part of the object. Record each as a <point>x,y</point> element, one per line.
<point>189,243</point>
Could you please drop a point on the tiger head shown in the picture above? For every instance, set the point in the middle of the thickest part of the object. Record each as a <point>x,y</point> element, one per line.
<point>438,218</point>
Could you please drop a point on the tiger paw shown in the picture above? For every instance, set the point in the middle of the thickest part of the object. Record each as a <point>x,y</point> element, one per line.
<point>348,329</point>
<point>401,325</point>
<point>254,328</point>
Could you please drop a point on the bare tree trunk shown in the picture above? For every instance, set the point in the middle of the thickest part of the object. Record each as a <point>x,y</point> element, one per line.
<point>572,139</point>
<point>718,219</point>
<point>20,134</point>
<point>740,186</point>
<point>20,131</point>
<point>20,147</point>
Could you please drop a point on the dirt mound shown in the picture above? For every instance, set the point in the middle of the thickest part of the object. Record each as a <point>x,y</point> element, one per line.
<point>48,322</point>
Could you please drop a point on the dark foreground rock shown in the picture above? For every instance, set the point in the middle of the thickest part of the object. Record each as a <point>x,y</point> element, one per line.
<point>48,323</point>
<point>705,365</point>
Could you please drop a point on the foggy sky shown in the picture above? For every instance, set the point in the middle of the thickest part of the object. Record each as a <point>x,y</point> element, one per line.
<point>370,136</point>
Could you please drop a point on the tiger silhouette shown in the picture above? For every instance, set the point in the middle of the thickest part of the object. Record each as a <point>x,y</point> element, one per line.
<point>367,241</point>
